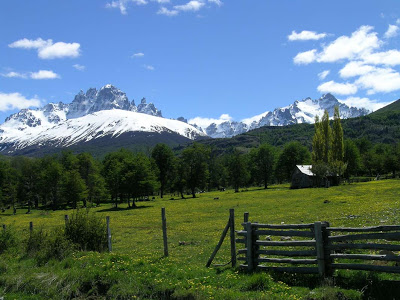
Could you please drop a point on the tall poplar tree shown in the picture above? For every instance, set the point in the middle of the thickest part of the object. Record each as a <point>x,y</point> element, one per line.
<point>337,137</point>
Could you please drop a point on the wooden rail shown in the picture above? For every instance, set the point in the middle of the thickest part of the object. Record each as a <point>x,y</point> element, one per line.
<point>327,248</point>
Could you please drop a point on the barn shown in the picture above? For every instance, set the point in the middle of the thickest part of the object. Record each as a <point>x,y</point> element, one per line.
<point>302,177</point>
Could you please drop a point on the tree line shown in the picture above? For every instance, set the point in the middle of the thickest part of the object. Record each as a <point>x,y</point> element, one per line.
<point>69,180</point>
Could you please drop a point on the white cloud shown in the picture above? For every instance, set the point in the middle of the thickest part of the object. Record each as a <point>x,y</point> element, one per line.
<point>205,122</point>
<point>192,5</point>
<point>44,74</point>
<point>360,42</point>
<point>167,12</point>
<point>12,101</point>
<point>149,67</point>
<point>13,74</point>
<point>380,80</point>
<point>79,67</point>
<point>355,68</point>
<point>48,49</point>
<point>122,4</point>
<point>217,2</point>
<point>323,74</point>
<point>337,88</point>
<point>392,31</point>
<point>371,105</point>
<point>139,54</point>
<point>305,57</point>
<point>306,35</point>
<point>162,1</point>
<point>389,58</point>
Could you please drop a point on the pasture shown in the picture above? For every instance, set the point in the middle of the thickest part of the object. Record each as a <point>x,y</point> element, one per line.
<point>136,269</point>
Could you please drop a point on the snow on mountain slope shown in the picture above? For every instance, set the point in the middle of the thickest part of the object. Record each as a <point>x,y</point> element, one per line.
<point>96,125</point>
<point>303,111</point>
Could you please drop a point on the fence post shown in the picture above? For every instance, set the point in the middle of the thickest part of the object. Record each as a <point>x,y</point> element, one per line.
<point>249,246</point>
<point>320,248</point>
<point>30,227</point>
<point>233,242</point>
<point>4,227</point>
<point>164,228</point>
<point>108,234</point>
<point>66,218</point>
<point>246,217</point>
<point>327,253</point>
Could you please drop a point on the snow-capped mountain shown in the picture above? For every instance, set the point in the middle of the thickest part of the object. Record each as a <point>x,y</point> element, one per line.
<point>91,115</point>
<point>303,111</point>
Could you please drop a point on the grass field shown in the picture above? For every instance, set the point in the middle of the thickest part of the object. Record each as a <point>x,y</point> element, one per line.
<point>137,270</point>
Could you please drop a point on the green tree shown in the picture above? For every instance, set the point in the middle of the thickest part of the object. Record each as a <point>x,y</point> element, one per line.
<point>165,161</point>
<point>195,165</point>
<point>327,137</point>
<point>73,188</point>
<point>337,137</point>
<point>318,144</point>
<point>238,170</point>
<point>50,178</point>
<point>292,154</point>
<point>352,158</point>
<point>263,161</point>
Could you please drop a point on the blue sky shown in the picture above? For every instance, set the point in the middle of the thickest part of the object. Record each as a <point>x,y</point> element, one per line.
<point>200,58</point>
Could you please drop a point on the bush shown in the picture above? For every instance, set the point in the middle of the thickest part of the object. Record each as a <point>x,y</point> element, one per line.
<point>7,239</point>
<point>44,246</point>
<point>87,231</point>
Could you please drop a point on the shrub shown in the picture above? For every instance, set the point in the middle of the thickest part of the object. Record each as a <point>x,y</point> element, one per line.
<point>7,239</point>
<point>44,246</point>
<point>87,231</point>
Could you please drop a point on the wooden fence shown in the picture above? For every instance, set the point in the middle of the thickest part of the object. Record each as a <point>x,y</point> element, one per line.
<point>318,248</point>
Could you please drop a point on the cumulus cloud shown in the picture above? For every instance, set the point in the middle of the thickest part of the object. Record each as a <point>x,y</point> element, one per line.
<point>41,74</point>
<point>122,4</point>
<point>323,74</point>
<point>217,2</point>
<point>79,67</point>
<point>305,57</point>
<point>392,31</point>
<point>10,101</point>
<point>355,68</point>
<point>139,54</point>
<point>167,12</point>
<point>149,67</point>
<point>306,35</point>
<point>205,122</point>
<point>13,74</point>
<point>44,74</point>
<point>337,88</point>
<point>47,49</point>
<point>192,5</point>
<point>383,80</point>
<point>371,105</point>
<point>389,58</point>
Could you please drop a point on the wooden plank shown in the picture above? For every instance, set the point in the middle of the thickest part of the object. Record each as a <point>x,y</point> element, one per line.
<point>310,243</point>
<point>365,236</point>
<point>364,246</point>
<point>232,235</point>
<point>249,252</point>
<point>108,234</point>
<point>366,257</point>
<point>305,270</point>
<point>30,226</point>
<point>242,258</point>
<point>288,261</point>
<point>288,252</point>
<point>241,232</point>
<point>320,248</point>
<point>221,240</point>
<point>241,241</point>
<point>285,233</point>
<point>164,229</point>
<point>285,226</point>
<point>242,251</point>
<point>66,219</point>
<point>386,269</point>
<point>365,229</point>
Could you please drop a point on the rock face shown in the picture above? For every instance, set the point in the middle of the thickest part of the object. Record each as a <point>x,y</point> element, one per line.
<point>303,111</point>
<point>91,115</point>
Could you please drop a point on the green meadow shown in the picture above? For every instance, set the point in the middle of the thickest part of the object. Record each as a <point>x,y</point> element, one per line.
<point>136,268</point>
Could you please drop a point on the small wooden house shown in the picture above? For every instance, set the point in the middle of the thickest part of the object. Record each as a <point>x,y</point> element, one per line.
<point>302,177</point>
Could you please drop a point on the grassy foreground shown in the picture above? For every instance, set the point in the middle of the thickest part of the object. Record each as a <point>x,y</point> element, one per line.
<point>137,270</point>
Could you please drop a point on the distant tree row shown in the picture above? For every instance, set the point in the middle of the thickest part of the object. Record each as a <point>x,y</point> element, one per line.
<point>69,180</point>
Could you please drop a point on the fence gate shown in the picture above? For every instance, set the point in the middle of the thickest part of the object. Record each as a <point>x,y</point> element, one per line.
<point>316,248</point>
